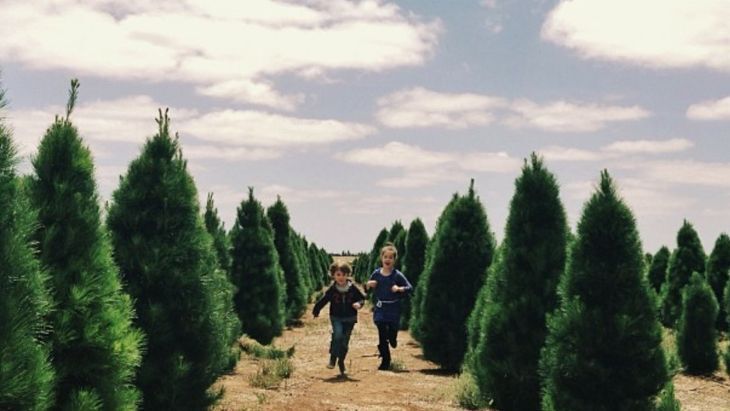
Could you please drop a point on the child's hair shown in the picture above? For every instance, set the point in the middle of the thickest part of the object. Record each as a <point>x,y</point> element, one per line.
<point>344,267</point>
<point>389,247</point>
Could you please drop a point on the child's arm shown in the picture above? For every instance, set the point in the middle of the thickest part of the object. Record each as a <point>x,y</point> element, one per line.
<point>402,284</point>
<point>322,302</point>
<point>360,298</point>
<point>372,283</point>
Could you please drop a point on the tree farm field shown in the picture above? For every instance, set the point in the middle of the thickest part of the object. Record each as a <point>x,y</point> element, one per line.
<point>417,385</point>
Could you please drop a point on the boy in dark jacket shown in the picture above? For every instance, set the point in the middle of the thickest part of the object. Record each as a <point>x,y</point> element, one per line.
<point>345,299</point>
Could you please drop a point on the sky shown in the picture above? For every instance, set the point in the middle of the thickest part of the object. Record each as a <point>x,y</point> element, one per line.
<point>361,113</point>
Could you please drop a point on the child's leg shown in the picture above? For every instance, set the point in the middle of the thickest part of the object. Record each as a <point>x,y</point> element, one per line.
<point>346,333</point>
<point>383,345</point>
<point>336,342</point>
<point>393,335</point>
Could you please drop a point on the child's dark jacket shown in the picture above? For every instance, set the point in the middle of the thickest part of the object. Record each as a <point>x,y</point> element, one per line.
<point>340,302</point>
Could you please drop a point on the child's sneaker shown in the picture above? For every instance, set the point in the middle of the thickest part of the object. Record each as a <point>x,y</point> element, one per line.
<point>341,364</point>
<point>331,364</point>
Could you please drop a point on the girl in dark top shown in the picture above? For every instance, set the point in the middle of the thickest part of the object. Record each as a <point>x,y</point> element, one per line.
<point>390,287</point>
<point>344,299</point>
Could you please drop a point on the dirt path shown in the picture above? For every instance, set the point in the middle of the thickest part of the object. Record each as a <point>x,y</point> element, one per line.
<point>419,386</point>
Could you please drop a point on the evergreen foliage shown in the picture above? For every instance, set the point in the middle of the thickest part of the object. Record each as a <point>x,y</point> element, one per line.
<point>414,261</point>
<point>26,375</point>
<point>463,248</point>
<point>603,349</point>
<point>718,265</point>
<point>380,241</point>
<point>296,289</point>
<point>688,257</point>
<point>96,348</point>
<point>315,266</point>
<point>521,290</point>
<point>415,324</point>
<point>260,300</point>
<point>400,244</point>
<point>658,269</point>
<point>696,333</point>
<point>168,261</point>
<point>217,230</point>
<point>395,229</point>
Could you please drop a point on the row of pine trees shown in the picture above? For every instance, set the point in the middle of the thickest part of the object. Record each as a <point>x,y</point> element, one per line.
<point>553,320</point>
<point>142,310</point>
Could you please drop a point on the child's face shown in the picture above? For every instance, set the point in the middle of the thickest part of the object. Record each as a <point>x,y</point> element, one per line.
<point>340,277</point>
<point>388,259</point>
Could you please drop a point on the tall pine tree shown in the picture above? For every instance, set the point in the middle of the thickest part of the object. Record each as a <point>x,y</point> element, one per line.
<point>718,265</point>
<point>414,261</point>
<point>688,257</point>
<point>603,349</point>
<point>168,261</point>
<point>463,248</point>
<point>521,291</point>
<point>96,349</point>
<point>26,374</point>
<point>257,274</point>
<point>296,289</point>
<point>658,269</point>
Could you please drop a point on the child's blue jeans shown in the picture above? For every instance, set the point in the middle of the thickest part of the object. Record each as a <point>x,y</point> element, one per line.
<point>341,331</point>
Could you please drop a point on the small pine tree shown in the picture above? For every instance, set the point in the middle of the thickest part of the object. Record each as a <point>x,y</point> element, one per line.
<point>26,375</point>
<point>257,274</point>
<point>696,333</point>
<point>688,257</point>
<point>380,241</point>
<point>521,291</point>
<point>463,248</point>
<point>718,265</point>
<point>413,263</point>
<point>296,289</point>
<point>400,244</point>
<point>217,230</point>
<point>96,349</point>
<point>658,269</point>
<point>168,261</point>
<point>603,350</point>
<point>667,400</point>
<point>315,267</point>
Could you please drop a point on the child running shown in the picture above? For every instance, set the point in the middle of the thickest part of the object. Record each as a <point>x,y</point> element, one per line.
<point>345,299</point>
<point>390,287</point>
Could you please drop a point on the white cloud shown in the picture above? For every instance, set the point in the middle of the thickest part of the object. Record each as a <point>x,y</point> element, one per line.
<point>207,152</point>
<point>689,172</point>
<point>423,168</point>
<point>557,153</point>
<point>562,116</point>
<point>653,33</point>
<point>228,49</point>
<point>247,91</point>
<point>710,110</point>
<point>260,129</point>
<point>397,155</point>
<point>419,107</point>
<point>649,146</point>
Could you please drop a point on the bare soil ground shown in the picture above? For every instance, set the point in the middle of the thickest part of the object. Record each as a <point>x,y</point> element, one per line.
<point>420,385</point>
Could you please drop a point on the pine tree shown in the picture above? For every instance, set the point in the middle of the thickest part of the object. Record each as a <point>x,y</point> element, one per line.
<point>603,349</point>
<point>413,263</point>
<point>257,274</point>
<point>168,261</point>
<point>415,323</point>
<point>718,265</point>
<point>463,248</point>
<point>688,257</point>
<point>217,230</point>
<point>26,375</point>
<point>380,241</point>
<point>696,334</point>
<point>658,269</point>
<point>400,244</point>
<point>296,290</point>
<point>96,348</point>
<point>315,266</point>
<point>221,283</point>
<point>521,291</point>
